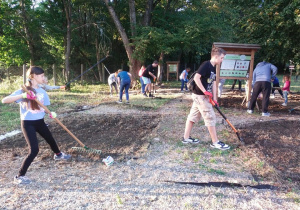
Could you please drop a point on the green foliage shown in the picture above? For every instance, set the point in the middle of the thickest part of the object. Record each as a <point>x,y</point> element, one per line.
<point>272,24</point>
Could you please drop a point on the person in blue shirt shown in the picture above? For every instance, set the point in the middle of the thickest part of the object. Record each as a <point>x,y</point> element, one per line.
<point>124,79</point>
<point>183,78</point>
<point>32,120</point>
<point>275,82</point>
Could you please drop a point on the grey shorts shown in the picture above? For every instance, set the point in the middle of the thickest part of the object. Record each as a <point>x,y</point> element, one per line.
<point>202,107</point>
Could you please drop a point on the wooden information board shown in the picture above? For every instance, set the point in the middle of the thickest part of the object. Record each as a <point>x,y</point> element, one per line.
<point>172,67</point>
<point>238,63</point>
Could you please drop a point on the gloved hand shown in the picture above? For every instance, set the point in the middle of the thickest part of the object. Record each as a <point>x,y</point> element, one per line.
<point>52,115</point>
<point>216,103</point>
<point>154,79</point>
<point>208,94</point>
<point>30,95</point>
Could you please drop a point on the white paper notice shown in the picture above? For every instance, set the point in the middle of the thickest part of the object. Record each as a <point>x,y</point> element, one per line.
<point>228,64</point>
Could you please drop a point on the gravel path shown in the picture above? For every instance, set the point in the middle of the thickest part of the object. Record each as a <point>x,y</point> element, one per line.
<point>139,182</point>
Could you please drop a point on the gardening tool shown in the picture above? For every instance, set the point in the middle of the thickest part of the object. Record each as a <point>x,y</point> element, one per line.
<point>83,148</point>
<point>67,84</point>
<point>293,109</point>
<point>233,128</point>
<point>106,69</point>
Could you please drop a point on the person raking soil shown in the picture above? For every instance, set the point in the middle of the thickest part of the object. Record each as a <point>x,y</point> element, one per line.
<point>32,120</point>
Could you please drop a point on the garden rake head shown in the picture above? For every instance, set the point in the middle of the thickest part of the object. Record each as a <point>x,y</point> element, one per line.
<point>87,150</point>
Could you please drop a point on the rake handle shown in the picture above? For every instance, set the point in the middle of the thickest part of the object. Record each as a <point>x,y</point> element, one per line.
<point>57,120</point>
<point>229,123</point>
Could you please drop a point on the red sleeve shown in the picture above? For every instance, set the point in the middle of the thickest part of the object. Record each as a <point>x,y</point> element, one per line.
<point>286,85</point>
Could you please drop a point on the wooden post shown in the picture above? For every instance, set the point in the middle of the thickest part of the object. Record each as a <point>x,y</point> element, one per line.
<point>168,72</point>
<point>24,74</point>
<point>54,74</point>
<point>218,67</point>
<point>81,67</point>
<point>248,94</point>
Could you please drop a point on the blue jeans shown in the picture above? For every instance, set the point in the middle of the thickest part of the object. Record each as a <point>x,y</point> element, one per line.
<point>124,85</point>
<point>183,83</point>
<point>142,84</point>
<point>285,96</point>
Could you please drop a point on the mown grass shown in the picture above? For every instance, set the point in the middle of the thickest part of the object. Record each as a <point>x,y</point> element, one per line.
<point>79,95</point>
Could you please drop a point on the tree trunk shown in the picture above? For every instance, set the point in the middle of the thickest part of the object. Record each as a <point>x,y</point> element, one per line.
<point>148,12</point>
<point>132,16</point>
<point>98,59</point>
<point>67,7</point>
<point>28,35</point>
<point>161,67</point>
<point>133,63</point>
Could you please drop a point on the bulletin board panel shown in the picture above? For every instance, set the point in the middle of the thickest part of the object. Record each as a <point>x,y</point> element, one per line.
<point>172,68</point>
<point>238,62</point>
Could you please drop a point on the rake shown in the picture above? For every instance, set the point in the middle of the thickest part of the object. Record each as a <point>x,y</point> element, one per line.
<point>83,147</point>
<point>225,118</point>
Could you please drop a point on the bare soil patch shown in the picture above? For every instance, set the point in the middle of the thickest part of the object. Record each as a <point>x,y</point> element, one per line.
<point>114,134</point>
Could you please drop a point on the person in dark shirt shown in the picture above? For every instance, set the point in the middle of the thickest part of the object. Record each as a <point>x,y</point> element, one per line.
<point>148,73</point>
<point>202,93</point>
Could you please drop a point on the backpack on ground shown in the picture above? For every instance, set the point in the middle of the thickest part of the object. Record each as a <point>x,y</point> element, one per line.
<point>191,84</point>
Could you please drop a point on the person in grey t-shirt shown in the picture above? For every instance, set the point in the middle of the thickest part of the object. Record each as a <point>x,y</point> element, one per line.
<point>262,75</point>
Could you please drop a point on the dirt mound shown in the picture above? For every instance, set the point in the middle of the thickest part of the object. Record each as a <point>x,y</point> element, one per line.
<point>276,142</point>
<point>116,135</point>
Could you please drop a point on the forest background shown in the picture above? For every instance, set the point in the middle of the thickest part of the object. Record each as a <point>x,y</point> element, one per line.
<point>70,33</point>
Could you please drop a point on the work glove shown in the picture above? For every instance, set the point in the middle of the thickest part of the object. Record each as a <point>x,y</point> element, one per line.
<point>216,103</point>
<point>30,95</point>
<point>208,94</point>
<point>52,115</point>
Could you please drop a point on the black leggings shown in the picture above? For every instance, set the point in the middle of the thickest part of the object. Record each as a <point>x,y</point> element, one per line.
<point>29,129</point>
<point>265,88</point>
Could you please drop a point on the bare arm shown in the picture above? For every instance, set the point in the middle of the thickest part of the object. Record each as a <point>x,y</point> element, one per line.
<point>11,99</point>
<point>214,91</point>
<point>152,75</point>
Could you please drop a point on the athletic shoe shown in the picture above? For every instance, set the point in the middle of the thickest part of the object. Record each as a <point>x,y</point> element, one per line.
<point>265,114</point>
<point>151,95</point>
<point>250,111</point>
<point>127,102</point>
<point>182,91</point>
<point>190,140</point>
<point>284,104</point>
<point>220,145</point>
<point>145,94</point>
<point>21,180</point>
<point>119,101</point>
<point>62,156</point>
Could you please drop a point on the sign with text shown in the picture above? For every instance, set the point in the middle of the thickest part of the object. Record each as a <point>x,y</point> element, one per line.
<point>235,65</point>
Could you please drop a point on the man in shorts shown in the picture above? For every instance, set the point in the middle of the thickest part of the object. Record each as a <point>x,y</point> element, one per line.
<point>204,79</point>
<point>148,73</point>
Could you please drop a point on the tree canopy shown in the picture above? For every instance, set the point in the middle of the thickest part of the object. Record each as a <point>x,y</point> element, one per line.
<point>71,32</point>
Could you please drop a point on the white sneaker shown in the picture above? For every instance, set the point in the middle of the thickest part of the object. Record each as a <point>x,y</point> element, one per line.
<point>21,180</point>
<point>220,145</point>
<point>63,156</point>
<point>272,96</point>
<point>190,140</point>
<point>265,114</point>
<point>250,111</point>
<point>284,104</point>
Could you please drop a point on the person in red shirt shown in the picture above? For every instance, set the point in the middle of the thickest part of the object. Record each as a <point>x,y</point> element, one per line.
<point>286,88</point>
